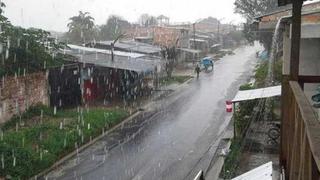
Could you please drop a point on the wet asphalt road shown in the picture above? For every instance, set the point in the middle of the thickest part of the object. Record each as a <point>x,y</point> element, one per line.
<point>172,137</point>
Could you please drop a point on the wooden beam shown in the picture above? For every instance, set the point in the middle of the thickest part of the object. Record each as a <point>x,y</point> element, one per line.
<point>295,40</point>
<point>309,79</point>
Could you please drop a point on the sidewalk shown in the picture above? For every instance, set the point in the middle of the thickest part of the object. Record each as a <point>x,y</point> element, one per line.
<point>257,151</point>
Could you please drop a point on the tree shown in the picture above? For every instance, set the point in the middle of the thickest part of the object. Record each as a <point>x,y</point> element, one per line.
<point>147,20</point>
<point>247,32</point>
<point>170,55</point>
<point>114,27</point>
<point>26,50</point>
<point>253,8</point>
<point>237,36</point>
<point>81,28</point>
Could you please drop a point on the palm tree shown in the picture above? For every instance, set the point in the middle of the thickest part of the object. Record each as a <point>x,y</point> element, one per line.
<point>2,5</point>
<point>81,27</point>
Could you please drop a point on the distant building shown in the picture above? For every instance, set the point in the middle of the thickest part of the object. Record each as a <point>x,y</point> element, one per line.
<point>139,31</point>
<point>170,36</point>
<point>163,20</point>
<point>209,25</point>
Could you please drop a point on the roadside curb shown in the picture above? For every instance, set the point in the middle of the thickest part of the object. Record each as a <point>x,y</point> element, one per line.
<point>217,162</point>
<point>214,172</point>
<point>81,148</point>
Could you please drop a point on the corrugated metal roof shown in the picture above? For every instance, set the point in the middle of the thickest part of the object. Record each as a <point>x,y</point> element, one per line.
<point>285,2</point>
<point>198,40</point>
<point>263,172</point>
<point>133,46</point>
<point>216,45</point>
<point>122,60</point>
<point>83,50</point>
<point>194,51</point>
<point>257,93</point>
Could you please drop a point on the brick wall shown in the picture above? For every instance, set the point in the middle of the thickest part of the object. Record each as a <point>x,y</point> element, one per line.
<point>167,36</point>
<point>19,93</point>
<point>138,31</point>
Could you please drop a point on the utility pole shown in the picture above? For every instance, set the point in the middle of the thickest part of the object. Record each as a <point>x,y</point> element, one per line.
<point>194,35</point>
<point>218,34</point>
<point>219,40</point>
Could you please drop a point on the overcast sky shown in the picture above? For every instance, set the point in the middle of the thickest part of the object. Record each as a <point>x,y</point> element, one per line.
<point>54,14</point>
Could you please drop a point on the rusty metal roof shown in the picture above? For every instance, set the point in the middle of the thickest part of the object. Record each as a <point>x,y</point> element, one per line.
<point>285,2</point>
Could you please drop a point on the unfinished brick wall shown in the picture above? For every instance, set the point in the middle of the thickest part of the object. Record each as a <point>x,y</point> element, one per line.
<point>19,93</point>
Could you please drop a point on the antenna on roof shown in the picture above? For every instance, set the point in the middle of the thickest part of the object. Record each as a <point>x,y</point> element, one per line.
<point>112,45</point>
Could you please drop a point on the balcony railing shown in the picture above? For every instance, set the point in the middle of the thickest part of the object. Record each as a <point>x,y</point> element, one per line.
<point>300,135</point>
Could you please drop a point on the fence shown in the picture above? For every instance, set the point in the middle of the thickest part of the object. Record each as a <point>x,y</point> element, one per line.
<point>300,135</point>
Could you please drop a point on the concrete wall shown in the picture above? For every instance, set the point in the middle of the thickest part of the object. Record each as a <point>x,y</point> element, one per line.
<point>19,93</point>
<point>309,57</point>
<point>309,51</point>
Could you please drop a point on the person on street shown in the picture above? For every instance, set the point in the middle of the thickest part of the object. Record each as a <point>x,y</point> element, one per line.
<point>197,70</point>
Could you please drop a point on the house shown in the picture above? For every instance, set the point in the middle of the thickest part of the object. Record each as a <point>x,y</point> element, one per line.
<point>95,78</point>
<point>299,32</point>
<point>189,55</point>
<point>208,25</point>
<point>199,44</point>
<point>171,36</point>
<point>163,20</point>
<point>137,30</point>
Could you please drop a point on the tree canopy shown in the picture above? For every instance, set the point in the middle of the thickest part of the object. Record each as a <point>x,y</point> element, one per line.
<point>114,27</point>
<point>81,28</point>
<point>253,8</point>
<point>26,50</point>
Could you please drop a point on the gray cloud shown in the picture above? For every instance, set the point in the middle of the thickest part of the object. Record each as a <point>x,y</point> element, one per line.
<point>54,14</point>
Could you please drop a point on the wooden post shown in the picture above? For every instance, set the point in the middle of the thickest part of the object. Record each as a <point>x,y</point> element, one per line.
<point>234,121</point>
<point>295,39</point>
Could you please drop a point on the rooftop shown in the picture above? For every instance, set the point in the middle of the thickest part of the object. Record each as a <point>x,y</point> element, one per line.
<point>194,51</point>
<point>122,60</point>
<point>257,93</point>
<point>198,40</point>
<point>132,46</point>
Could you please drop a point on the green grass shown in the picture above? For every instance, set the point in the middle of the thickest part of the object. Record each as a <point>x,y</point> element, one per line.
<point>174,80</point>
<point>35,140</point>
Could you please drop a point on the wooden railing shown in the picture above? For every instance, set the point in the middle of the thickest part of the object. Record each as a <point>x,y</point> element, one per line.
<point>300,135</point>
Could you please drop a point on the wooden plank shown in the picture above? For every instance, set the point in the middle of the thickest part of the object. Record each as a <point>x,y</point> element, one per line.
<point>309,79</point>
<point>295,40</point>
<point>307,159</point>
<point>302,153</point>
<point>285,109</point>
<point>294,147</point>
<point>312,124</point>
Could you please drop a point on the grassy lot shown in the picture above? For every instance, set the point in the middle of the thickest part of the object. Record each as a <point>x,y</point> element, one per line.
<point>33,142</point>
<point>174,80</point>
